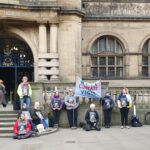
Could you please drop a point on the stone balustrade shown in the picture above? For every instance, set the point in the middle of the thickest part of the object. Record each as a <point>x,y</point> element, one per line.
<point>30,2</point>
<point>45,91</point>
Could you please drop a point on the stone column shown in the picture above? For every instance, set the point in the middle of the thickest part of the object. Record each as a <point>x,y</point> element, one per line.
<point>53,38</point>
<point>53,46</point>
<point>42,38</point>
<point>42,47</point>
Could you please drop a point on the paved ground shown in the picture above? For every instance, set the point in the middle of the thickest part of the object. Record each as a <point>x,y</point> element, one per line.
<point>67,139</point>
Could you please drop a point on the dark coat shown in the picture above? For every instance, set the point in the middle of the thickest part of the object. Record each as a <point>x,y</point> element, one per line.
<point>2,95</point>
<point>107,103</point>
<point>34,116</point>
<point>87,116</point>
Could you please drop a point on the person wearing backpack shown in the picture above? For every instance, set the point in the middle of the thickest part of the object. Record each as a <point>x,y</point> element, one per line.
<point>124,103</point>
<point>107,104</point>
<point>24,91</point>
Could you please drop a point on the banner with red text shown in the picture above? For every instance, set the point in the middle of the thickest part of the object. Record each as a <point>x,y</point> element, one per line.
<point>88,90</point>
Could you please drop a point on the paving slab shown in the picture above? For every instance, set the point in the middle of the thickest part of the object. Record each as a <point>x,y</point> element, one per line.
<point>68,139</point>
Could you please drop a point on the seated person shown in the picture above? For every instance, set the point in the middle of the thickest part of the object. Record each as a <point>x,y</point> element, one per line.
<point>22,128</point>
<point>92,119</point>
<point>37,115</point>
<point>25,110</point>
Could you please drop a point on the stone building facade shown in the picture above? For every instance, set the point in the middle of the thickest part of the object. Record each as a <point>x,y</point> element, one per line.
<point>93,39</point>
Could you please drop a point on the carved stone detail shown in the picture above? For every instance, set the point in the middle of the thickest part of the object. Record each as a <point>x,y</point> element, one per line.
<point>102,9</point>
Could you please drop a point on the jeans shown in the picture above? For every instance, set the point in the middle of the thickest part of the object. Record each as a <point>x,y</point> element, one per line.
<point>25,100</point>
<point>124,116</point>
<point>89,126</point>
<point>24,136</point>
<point>56,114</point>
<point>44,123</point>
<point>32,125</point>
<point>72,117</point>
<point>107,116</point>
<point>40,121</point>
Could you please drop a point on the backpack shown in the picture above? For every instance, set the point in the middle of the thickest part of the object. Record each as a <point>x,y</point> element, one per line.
<point>135,122</point>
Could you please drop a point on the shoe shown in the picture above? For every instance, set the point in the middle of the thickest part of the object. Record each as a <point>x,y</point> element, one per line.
<point>108,126</point>
<point>73,127</point>
<point>122,127</point>
<point>127,127</point>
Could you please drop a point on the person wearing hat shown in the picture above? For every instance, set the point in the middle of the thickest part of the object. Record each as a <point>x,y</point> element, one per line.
<point>2,94</point>
<point>108,104</point>
<point>72,104</point>
<point>56,105</point>
<point>24,91</point>
<point>92,119</point>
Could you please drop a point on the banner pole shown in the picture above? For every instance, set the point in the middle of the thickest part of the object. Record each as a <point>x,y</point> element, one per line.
<point>101,113</point>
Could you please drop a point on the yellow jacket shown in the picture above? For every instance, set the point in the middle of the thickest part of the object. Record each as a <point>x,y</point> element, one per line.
<point>19,91</point>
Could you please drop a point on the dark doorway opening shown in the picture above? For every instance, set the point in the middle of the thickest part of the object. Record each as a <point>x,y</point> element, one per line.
<point>16,61</point>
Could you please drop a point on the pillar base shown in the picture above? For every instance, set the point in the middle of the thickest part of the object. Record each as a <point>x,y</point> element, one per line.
<point>43,78</point>
<point>54,78</point>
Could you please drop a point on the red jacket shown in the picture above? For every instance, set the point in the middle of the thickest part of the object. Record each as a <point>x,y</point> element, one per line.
<point>15,128</point>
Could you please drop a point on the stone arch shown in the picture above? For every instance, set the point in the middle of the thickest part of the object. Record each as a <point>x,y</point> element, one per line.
<point>143,42</point>
<point>31,44</point>
<point>23,36</point>
<point>120,38</point>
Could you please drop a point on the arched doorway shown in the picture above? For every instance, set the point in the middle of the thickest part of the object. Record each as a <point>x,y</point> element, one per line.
<point>16,60</point>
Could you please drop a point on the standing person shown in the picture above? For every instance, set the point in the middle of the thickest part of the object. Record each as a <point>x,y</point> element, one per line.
<point>72,104</point>
<point>124,104</point>
<point>24,91</point>
<point>56,105</point>
<point>2,94</point>
<point>128,97</point>
<point>92,119</point>
<point>108,104</point>
<point>22,128</point>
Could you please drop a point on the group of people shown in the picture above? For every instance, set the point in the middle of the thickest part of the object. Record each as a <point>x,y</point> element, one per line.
<point>71,103</point>
<point>29,119</point>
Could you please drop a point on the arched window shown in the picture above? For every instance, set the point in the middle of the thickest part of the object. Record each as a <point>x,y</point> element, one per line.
<point>145,59</point>
<point>15,53</point>
<point>107,58</point>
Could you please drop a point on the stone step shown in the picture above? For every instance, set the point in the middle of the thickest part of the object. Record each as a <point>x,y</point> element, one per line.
<point>8,119</point>
<point>8,116</point>
<point>6,135</point>
<point>6,124</point>
<point>8,112</point>
<point>6,130</point>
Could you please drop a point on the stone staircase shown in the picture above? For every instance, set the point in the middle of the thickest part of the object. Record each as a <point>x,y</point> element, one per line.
<point>7,120</point>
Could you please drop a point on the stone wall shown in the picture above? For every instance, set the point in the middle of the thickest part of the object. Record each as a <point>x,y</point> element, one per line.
<point>132,35</point>
<point>119,9</point>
